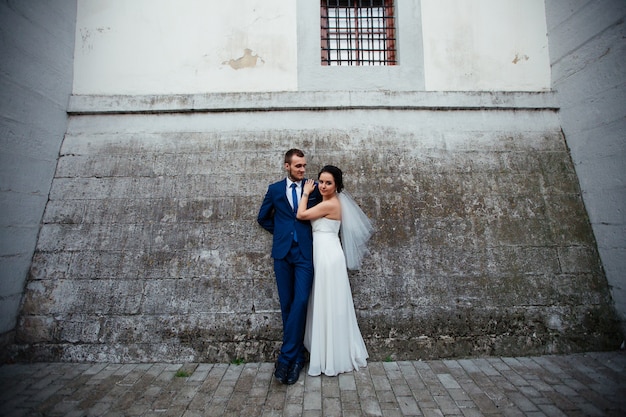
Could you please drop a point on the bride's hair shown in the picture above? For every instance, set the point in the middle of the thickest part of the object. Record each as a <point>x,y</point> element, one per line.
<point>336,173</point>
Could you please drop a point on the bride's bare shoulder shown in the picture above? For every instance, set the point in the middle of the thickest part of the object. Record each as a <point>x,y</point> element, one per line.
<point>335,209</point>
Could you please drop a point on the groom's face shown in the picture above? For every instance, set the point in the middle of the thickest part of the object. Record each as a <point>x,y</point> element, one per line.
<point>296,168</point>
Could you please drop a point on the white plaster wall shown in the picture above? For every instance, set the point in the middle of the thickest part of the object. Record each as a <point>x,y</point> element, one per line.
<point>184,46</point>
<point>199,46</point>
<point>485,45</point>
<point>588,53</point>
<point>36,46</point>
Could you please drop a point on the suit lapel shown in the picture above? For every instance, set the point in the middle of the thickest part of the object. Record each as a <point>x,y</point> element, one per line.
<point>284,193</point>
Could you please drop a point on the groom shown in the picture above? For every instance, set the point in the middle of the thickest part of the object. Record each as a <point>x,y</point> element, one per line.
<point>292,250</point>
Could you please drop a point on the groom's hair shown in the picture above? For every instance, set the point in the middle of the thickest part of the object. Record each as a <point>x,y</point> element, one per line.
<point>291,152</point>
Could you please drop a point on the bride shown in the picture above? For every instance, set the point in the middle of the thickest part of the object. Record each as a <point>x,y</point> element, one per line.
<point>332,334</point>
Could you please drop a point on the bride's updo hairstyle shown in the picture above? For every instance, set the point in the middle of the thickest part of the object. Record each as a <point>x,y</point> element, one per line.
<point>336,173</point>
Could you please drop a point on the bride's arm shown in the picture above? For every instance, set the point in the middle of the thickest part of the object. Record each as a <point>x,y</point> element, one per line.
<point>319,210</point>
<point>322,209</point>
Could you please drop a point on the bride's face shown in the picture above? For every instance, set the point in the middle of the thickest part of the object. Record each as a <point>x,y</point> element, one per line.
<point>326,184</point>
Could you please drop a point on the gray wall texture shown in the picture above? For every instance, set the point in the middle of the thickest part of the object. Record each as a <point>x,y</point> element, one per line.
<point>588,54</point>
<point>150,250</point>
<point>37,48</point>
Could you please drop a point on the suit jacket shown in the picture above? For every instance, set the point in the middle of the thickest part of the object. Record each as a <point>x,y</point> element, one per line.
<point>277,217</point>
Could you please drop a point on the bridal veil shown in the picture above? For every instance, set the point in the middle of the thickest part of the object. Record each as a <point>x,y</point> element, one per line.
<point>356,229</point>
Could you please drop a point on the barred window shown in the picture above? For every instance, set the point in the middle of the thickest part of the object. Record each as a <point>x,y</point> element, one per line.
<point>358,32</point>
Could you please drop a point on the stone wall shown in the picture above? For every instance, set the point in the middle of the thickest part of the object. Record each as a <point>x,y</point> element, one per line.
<point>150,248</point>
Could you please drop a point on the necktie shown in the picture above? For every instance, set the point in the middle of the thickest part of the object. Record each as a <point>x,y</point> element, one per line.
<point>294,198</point>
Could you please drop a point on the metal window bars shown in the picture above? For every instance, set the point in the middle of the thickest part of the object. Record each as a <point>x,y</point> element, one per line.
<point>357,32</point>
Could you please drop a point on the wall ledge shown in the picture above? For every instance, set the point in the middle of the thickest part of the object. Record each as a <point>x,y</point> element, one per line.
<point>311,100</point>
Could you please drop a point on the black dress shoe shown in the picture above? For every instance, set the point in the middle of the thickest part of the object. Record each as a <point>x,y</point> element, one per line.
<point>294,373</point>
<point>282,371</point>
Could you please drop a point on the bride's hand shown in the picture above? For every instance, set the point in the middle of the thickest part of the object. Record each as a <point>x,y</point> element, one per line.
<point>309,186</point>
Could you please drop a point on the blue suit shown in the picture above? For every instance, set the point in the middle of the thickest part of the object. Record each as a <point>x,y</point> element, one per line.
<point>293,264</point>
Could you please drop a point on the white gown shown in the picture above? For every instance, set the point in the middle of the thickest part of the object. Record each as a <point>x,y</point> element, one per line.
<point>332,334</point>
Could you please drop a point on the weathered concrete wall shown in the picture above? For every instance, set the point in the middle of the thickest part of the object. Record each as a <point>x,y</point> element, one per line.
<point>588,53</point>
<point>36,50</point>
<point>150,249</point>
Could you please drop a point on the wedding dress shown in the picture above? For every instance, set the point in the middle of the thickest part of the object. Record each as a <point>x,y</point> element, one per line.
<point>332,334</point>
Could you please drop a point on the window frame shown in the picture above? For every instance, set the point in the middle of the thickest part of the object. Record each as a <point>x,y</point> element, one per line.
<point>346,30</point>
<point>406,75</point>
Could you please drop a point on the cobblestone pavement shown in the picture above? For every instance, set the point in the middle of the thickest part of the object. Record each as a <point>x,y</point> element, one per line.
<point>589,384</point>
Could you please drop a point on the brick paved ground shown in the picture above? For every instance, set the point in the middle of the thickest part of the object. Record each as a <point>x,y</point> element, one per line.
<point>590,384</point>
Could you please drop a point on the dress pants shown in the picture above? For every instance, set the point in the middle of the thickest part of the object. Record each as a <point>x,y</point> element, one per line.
<point>294,278</point>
